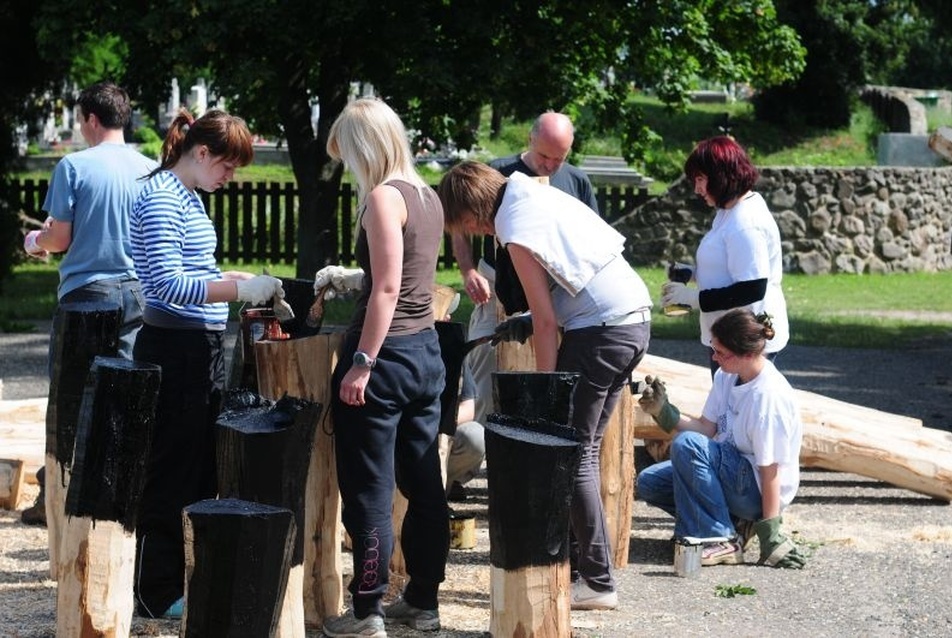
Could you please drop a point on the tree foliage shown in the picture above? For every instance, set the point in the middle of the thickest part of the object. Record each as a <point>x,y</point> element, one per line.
<point>436,61</point>
<point>851,43</point>
<point>25,78</point>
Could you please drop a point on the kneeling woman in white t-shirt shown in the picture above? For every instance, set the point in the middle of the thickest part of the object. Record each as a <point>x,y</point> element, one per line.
<point>739,462</point>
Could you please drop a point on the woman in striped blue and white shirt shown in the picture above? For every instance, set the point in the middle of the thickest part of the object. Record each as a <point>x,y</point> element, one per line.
<point>173,247</point>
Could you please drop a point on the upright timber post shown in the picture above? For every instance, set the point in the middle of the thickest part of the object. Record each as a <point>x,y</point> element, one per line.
<point>302,368</point>
<point>236,567</point>
<point>83,331</point>
<point>617,462</point>
<point>96,567</point>
<point>531,465</point>
<point>263,452</point>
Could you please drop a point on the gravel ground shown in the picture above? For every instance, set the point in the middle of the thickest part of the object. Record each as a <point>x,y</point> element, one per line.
<point>881,556</point>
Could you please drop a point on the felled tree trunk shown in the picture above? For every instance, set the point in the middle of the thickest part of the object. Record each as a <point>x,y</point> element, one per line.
<point>98,551</point>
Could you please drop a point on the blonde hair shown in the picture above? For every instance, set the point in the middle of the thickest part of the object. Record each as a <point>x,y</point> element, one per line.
<point>372,141</point>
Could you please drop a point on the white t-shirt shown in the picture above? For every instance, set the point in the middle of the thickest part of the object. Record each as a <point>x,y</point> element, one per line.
<point>762,420</point>
<point>589,279</point>
<point>744,244</point>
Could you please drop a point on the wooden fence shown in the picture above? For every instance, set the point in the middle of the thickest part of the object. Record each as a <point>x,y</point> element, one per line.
<point>257,221</point>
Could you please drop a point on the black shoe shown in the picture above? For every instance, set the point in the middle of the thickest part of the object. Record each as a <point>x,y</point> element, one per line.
<point>457,493</point>
<point>36,513</point>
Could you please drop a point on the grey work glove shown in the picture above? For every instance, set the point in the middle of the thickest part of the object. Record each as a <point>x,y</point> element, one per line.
<point>340,280</point>
<point>654,401</point>
<point>776,550</point>
<point>517,328</point>
<point>258,290</point>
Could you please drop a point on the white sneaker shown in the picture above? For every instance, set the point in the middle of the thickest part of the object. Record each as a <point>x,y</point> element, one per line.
<point>584,597</point>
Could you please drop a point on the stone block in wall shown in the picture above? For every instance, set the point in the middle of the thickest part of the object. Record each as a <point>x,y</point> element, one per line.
<point>891,250</point>
<point>814,263</point>
<point>850,264</point>
<point>852,226</point>
<point>821,220</point>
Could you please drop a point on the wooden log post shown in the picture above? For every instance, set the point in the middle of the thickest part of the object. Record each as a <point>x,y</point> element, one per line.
<point>11,483</point>
<point>263,452</point>
<point>531,464</point>
<point>616,458</point>
<point>617,463</point>
<point>237,556</point>
<point>97,556</point>
<point>83,332</point>
<point>302,368</point>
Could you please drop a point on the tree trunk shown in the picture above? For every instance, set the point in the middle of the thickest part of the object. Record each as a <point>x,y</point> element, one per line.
<point>318,177</point>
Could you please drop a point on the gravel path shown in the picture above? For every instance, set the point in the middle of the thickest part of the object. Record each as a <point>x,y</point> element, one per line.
<point>881,555</point>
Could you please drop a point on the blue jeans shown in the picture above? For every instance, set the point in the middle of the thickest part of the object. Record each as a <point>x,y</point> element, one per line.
<point>124,293</point>
<point>703,485</point>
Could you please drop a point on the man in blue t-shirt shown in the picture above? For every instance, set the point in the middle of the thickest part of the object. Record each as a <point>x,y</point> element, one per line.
<point>88,203</point>
<point>550,141</point>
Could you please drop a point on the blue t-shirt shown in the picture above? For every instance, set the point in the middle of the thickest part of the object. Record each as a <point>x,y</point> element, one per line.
<point>93,190</point>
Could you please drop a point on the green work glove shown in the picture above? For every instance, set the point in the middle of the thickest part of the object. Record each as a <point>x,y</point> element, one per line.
<point>654,401</point>
<point>776,550</point>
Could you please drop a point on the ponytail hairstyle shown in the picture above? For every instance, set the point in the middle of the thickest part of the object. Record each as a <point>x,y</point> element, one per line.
<point>743,333</point>
<point>226,136</point>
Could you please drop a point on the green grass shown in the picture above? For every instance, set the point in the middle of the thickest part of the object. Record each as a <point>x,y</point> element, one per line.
<point>862,311</point>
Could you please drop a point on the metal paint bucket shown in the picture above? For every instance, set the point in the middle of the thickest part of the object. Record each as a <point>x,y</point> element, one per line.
<point>462,531</point>
<point>687,558</point>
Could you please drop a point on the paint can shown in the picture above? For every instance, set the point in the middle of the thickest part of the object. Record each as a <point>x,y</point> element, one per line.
<point>687,557</point>
<point>462,531</point>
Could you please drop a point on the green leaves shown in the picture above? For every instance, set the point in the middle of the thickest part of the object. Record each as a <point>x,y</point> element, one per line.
<point>731,591</point>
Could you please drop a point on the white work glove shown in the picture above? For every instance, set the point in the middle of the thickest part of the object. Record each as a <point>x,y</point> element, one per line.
<point>674,293</point>
<point>678,271</point>
<point>258,290</point>
<point>339,279</point>
<point>31,247</point>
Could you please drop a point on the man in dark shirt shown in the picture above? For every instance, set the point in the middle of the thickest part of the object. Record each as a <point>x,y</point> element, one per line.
<point>550,141</point>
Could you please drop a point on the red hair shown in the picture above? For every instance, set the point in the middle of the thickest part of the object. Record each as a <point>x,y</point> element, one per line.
<point>726,165</point>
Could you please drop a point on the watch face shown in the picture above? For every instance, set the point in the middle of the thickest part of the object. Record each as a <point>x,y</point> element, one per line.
<point>363,360</point>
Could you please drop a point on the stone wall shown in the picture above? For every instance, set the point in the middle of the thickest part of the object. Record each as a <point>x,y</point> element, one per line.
<point>854,220</point>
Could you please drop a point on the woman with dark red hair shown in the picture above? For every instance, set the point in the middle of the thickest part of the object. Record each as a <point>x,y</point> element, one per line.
<point>739,262</point>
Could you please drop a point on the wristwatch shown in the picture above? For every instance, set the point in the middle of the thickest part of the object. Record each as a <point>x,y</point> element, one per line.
<point>363,360</point>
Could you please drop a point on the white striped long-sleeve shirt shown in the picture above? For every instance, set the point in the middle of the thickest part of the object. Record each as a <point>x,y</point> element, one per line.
<point>173,247</point>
